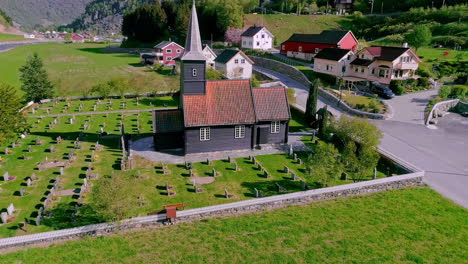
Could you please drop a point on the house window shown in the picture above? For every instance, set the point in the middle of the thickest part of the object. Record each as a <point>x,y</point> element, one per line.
<point>300,48</point>
<point>356,69</point>
<point>236,61</point>
<point>243,42</point>
<point>204,134</point>
<point>382,73</point>
<point>263,36</point>
<point>328,67</point>
<point>258,43</point>
<point>239,132</point>
<point>349,57</point>
<point>362,70</point>
<point>362,56</point>
<point>243,61</point>
<point>169,58</point>
<point>250,42</point>
<point>317,50</point>
<point>168,51</point>
<point>283,47</point>
<point>343,68</point>
<point>275,127</point>
<point>194,72</point>
<point>373,71</point>
<point>178,51</point>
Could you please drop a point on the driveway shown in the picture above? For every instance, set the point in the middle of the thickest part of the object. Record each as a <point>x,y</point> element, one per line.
<point>442,152</point>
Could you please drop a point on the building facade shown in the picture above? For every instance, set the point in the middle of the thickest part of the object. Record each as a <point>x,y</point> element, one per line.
<point>219,115</point>
<point>258,38</point>
<point>210,56</point>
<point>235,64</point>
<point>166,52</point>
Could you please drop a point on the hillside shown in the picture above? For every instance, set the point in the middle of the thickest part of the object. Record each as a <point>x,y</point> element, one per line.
<point>282,26</point>
<point>105,15</point>
<point>31,13</point>
<point>6,24</point>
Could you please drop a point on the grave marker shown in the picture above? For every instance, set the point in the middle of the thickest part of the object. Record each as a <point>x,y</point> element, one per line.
<point>61,171</point>
<point>236,167</point>
<point>10,209</point>
<point>286,169</point>
<point>375,174</point>
<point>6,176</point>
<point>4,217</point>
<point>291,151</point>
<point>33,176</point>
<point>7,151</point>
<point>257,193</point>
<point>214,172</point>
<point>28,182</point>
<point>38,220</point>
<point>22,192</point>
<point>29,148</point>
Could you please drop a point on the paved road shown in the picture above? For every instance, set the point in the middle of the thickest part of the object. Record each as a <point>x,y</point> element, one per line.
<point>6,46</point>
<point>442,152</point>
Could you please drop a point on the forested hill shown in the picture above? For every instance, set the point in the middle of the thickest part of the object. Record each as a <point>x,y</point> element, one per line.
<point>43,13</point>
<point>105,15</point>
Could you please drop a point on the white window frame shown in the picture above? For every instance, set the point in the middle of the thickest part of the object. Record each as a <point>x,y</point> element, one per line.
<point>239,132</point>
<point>236,61</point>
<point>275,127</point>
<point>205,134</point>
<point>169,51</point>
<point>169,58</point>
<point>178,51</point>
<point>242,61</point>
<point>283,47</point>
<point>194,72</point>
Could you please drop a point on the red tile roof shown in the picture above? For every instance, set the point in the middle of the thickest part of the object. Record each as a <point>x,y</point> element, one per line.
<point>226,102</point>
<point>271,104</point>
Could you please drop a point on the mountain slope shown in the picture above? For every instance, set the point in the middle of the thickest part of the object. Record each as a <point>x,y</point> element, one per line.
<point>6,24</point>
<point>31,13</point>
<point>105,15</point>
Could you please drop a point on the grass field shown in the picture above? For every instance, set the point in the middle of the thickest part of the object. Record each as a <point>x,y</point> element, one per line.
<point>10,37</point>
<point>74,68</point>
<point>283,26</point>
<point>414,225</point>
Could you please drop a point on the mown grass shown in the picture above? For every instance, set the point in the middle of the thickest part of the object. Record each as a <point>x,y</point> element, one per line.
<point>75,68</point>
<point>414,225</point>
<point>283,26</point>
<point>10,37</point>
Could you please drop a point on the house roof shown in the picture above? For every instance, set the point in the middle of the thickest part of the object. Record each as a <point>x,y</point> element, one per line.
<point>193,46</point>
<point>168,121</point>
<point>333,54</point>
<point>252,31</point>
<point>228,54</point>
<point>164,44</point>
<point>207,48</point>
<point>361,62</point>
<point>386,53</point>
<point>326,37</point>
<point>226,102</point>
<point>271,104</point>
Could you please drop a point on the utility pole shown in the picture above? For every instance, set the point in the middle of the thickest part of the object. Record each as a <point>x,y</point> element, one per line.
<point>372,7</point>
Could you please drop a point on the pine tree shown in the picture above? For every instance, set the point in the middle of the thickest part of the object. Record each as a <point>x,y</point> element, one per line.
<point>12,122</point>
<point>36,84</point>
<point>311,106</point>
<point>323,120</point>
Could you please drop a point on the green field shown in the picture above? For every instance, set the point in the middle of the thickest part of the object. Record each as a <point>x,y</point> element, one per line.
<point>414,225</point>
<point>74,68</point>
<point>283,26</point>
<point>10,37</point>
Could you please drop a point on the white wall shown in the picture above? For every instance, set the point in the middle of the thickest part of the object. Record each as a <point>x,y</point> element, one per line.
<point>232,68</point>
<point>257,42</point>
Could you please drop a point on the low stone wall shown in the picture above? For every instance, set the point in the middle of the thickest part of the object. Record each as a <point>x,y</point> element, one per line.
<point>298,76</point>
<point>438,110</point>
<point>236,208</point>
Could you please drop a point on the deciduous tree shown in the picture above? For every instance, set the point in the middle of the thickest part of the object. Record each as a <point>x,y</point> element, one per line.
<point>12,122</point>
<point>419,37</point>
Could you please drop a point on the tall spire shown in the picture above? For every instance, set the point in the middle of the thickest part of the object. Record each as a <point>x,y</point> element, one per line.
<point>193,46</point>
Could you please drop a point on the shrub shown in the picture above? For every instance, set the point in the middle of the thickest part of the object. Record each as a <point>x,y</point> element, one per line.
<point>325,78</point>
<point>459,92</point>
<point>423,72</point>
<point>397,87</point>
<point>424,82</point>
<point>444,92</point>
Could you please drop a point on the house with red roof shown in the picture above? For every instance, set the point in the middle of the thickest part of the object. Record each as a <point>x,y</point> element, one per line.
<point>306,46</point>
<point>219,115</point>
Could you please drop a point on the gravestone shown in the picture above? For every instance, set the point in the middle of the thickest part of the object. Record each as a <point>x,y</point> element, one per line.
<point>7,151</point>
<point>33,111</point>
<point>229,159</point>
<point>226,194</point>
<point>38,141</point>
<point>52,149</point>
<point>52,190</point>
<point>38,220</point>
<point>22,192</point>
<point>10,209</point>
<point>260,167</point>
<point>236,167</point>
<point>191,173</point>
<point>4,217</point>
<point>29,148</point>
<point>375,174</point>
<point>59,139</point>
<point>13,145</point>
<point>85,182</point>
<point>291,151</point>
<point>61,171</point>
<point>208,162</point>
<point>6,175</point>
<point>280,188</point>
<point>257,193</point>
<point>214,172</point>
<point>295,156</point>
<point>286,169</point>
<point>56,182</point>
<point>299,161</point>
<point>33,176</point>
<point>254,160</point>
<point>28,182</point>
<point>294,176</point>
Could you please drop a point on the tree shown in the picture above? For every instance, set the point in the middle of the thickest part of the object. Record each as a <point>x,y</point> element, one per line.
<point>118,85</point>
<point>181,23</point>
<point>12,121</point>
<point>311,107</point>
<point>323,122</point>
<point>102,89</point>
<point>323,165</point>
<point>147,23</point>
<point>419,37</point>
<point>36,84</point>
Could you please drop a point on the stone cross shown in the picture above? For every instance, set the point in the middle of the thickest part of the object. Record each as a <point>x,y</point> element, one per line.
<point>4,217</point>
<point>226,194</point>
<point>22,192</point>
<point>10,209</point>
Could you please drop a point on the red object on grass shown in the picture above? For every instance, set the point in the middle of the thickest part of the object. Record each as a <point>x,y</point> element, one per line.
<point>446,53</point>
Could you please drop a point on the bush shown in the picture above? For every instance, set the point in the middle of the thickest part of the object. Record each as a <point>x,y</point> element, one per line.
<point>423,72</point>
<point>444,92</point>
<point>459,92</point>
<point>397,87</point>
<point>325,78</point>
<point>424,82</point>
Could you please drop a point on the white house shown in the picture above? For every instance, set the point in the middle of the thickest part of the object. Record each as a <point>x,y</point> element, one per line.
<point>333,61</point>
<point>257,38</point>
<point>235,64</point>
<point>29,36</point>
<point>209,55</point>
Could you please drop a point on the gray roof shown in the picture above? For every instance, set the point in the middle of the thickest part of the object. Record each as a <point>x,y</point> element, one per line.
<point>251,31</point>
<point>332,54</point>
<point>193,46</point>
<point>162,44</point>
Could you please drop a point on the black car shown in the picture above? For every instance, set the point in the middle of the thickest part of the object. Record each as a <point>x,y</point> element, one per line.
<point>382,90</point>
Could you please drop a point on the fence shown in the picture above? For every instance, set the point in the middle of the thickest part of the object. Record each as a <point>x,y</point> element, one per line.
<point>440,107</point>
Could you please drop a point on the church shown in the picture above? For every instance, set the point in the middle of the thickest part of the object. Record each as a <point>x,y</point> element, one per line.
<point>221,115</point>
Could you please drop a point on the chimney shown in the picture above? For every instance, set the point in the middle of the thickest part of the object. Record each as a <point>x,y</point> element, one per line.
<point>405,45</point>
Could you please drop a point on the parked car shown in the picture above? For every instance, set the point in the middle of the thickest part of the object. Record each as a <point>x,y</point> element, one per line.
<point>382,90</point>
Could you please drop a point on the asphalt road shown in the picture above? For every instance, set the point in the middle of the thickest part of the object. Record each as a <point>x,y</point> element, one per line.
<point>442,153</point>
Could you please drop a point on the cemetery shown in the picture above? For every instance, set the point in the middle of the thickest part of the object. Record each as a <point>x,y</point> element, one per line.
<point>48,176</point>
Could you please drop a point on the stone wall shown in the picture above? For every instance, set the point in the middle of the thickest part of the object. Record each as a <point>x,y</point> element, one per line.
<point>298,76</point>
<point>236,208</point>
<point>439,109</point>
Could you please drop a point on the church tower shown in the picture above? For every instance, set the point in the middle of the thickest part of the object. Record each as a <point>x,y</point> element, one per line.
<point>193,62</point>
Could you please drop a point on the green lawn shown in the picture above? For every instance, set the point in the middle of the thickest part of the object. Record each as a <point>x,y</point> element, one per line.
<point>74,68</point>
<point>283,26</point>
<point>10,37</point>
<point>414,225</point>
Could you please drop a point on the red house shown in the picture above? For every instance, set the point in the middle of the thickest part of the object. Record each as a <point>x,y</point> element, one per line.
<point>75,38</point>
<point>306,46</point>
<point>167,51</point>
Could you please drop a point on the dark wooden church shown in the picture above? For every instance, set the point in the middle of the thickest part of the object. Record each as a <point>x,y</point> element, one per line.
<point>219,115</point>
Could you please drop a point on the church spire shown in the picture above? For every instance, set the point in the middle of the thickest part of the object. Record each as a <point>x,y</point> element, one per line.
<point>193,46</point>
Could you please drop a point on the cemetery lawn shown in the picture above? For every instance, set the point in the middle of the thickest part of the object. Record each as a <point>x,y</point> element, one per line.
<point>74,68</point>
<point>414,225</point>
<point>10,37</point>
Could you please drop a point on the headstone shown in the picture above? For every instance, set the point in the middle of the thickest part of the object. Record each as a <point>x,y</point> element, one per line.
<point>4,217</point>
<point>85,182</point>
<point>33,111</point>
<point>38,220</point>
<point>52,149</point>
<point>236,167</point>
<point>10,209</point>
<point>208,162</point>
<point>22,192</point>
<point>299,161</point>
<point>6,175</point>
<point>29,148</point>
<point>280,188</point>
<point>257,193</point>
<point>286,169</point>
<point>295,156</point>
<point>226,194</point>
<point>229,159</point>
<point>7,151</point>
<point>28,182</point>
<point>33,176</point>
<point>61,171</point>
<point>191,173</point>
<point>294,176</point>
<point>214,172</point>
<point>13,145</point>
<point>375,174</point>
<point>291,150</point>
